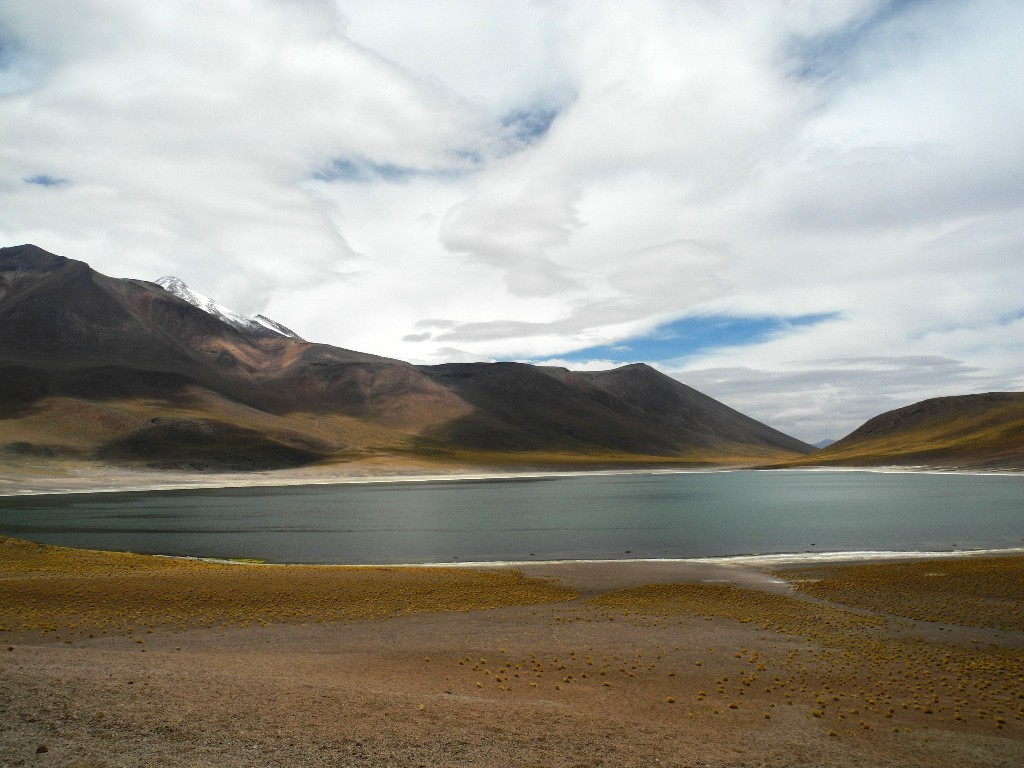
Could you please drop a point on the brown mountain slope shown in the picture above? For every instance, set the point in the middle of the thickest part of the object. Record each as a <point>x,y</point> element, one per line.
<point>122,371</point>
<point>695,417</point>
<point>633,409</point>
<point>967,431</point>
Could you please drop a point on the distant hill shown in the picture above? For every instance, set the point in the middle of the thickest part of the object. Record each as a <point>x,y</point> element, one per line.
<point>127,372</point>
<point>966,431</point>
<point>823,443</point>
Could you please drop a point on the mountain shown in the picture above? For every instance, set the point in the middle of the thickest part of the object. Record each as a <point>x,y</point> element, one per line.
<point>132,372</point>
<point>965,431</point>
<point>823,443</point>
<point>633,410</point>
<point>257,325</point>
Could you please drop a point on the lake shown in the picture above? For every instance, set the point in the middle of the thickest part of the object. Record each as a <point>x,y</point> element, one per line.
<point>607,516</point>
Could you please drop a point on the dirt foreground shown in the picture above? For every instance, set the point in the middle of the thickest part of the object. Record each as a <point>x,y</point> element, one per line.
<point>126,660</point>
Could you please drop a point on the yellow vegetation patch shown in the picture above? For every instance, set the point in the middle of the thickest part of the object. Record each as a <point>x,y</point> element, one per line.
<point>45,588</point>
<point>975,592</point>
<point>597,459</point>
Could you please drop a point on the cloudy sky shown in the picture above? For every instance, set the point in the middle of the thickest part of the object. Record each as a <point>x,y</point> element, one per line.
<point>812,210</point>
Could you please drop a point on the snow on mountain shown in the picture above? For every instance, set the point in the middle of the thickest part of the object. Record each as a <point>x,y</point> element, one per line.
<point>273,326</point>
<point>254,326</point>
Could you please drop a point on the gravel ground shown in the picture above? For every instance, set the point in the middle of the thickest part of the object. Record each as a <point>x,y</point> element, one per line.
<point>721,667</point>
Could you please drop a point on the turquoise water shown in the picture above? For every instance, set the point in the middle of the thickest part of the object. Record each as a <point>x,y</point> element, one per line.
<point>590,517</point>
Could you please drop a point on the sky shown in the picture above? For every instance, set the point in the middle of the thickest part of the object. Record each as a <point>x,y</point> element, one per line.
<point>812,210</point>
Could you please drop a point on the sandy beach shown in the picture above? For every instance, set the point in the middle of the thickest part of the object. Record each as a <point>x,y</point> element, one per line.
<point>121,660</point>
<point>86,477</point>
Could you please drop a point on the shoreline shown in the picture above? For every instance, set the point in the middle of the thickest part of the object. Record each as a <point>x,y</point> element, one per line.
<point>758,561</point>
<point>143,482</point>
<point>260,480</point>
<point>752,561</point>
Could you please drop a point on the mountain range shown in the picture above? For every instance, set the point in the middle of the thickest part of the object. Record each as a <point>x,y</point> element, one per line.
<point>153,374</point>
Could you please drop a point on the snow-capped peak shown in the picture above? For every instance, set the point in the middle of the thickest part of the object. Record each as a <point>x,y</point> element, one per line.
<point>254,326</point>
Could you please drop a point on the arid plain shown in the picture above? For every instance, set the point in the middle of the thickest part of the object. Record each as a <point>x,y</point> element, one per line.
<point>121,660</point>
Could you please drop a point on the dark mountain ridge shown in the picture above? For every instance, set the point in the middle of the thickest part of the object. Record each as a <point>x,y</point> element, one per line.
<point>123,371</point>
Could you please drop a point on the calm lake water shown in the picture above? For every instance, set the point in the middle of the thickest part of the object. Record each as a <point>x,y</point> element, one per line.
<point>594,517</point>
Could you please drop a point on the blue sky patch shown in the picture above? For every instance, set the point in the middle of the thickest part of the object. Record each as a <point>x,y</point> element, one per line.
<point>341,170</point>
<point>521,129</point>
<point>364,172</point>
<point>825,56</point>
<point>19,69</point>
<point>529,126</point>
<point>690,335</point>
<point>43,180</point>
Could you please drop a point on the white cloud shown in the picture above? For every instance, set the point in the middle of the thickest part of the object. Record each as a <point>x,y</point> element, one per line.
<point>502,57</point>
<point>457,180</point>
<point>514,224</point>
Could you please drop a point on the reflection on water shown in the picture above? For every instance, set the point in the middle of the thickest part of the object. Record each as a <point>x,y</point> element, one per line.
<point>598,517</point>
